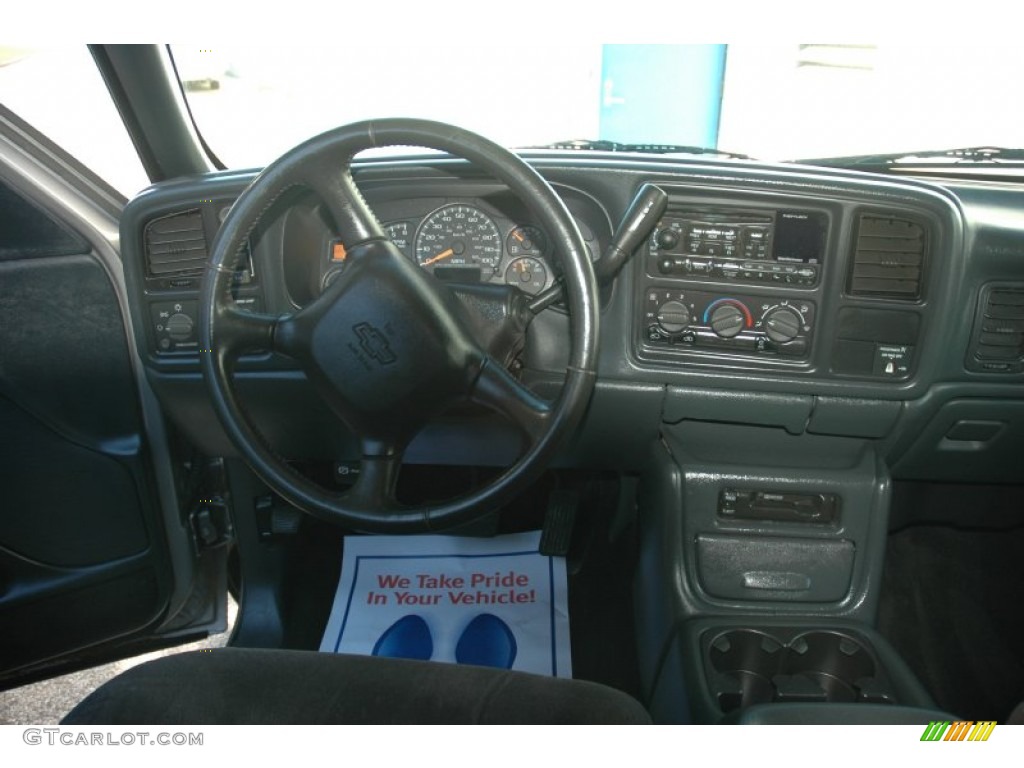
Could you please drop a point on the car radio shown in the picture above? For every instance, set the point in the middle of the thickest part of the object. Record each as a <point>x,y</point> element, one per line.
<point>747,246</point>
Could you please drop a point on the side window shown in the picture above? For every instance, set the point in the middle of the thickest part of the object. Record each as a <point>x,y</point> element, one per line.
<point>61,93</point>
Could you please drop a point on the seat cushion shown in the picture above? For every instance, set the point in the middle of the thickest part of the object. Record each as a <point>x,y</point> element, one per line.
<point>234,686</point>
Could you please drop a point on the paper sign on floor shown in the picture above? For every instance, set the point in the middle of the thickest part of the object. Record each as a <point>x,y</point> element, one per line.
<point>493,602</point>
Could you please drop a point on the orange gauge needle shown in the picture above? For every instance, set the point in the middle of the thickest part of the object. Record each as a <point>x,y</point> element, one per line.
<point>518,235</point>
<point>442,255</point>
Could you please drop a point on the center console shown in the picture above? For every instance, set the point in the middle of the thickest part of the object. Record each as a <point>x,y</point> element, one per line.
<point>766,511</point>
<point>774,560</point>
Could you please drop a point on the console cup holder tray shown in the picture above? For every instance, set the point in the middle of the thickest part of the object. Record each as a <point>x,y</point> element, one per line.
<point>759,666</point>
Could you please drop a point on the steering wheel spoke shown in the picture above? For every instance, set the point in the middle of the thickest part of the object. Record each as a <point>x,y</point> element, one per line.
<point>355,220</point>
<point>374,489</point>
<point>239,332</point>
<point>497,389</point>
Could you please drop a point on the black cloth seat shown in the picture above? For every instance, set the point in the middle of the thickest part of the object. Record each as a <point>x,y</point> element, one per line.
<point>234,686</point>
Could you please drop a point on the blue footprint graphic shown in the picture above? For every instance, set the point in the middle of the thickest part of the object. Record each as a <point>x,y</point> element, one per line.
<point>487,642</point>
<point>407,638</point>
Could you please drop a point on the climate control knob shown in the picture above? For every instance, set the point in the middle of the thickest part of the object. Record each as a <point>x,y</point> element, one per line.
<point>673,316</point>
<point>727,320</point>
<point>782,324</point>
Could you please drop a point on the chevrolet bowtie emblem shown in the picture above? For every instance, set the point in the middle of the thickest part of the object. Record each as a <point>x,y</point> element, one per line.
<point>374,343</point>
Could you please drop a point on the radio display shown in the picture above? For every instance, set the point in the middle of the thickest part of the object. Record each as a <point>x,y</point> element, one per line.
<point>799,237</point>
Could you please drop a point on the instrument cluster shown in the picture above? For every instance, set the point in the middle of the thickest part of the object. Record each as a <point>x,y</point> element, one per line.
<point>464,240</point>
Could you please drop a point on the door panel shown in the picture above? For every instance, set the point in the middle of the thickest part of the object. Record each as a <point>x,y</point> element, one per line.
<point>83,556</point>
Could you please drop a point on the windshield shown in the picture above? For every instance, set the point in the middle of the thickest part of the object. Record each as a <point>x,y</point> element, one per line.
<point>779,102</point>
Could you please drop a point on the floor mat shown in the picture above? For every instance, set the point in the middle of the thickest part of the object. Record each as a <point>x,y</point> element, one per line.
<point>953,606</point>
<point>493,602</point>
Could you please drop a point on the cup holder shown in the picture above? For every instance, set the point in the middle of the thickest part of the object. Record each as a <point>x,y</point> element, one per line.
<point>752,666</point>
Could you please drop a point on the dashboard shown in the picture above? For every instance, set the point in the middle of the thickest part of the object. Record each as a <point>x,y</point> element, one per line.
<point>812,301</point>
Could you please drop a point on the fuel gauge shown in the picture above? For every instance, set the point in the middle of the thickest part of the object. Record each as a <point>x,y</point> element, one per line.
<point>527,274</point>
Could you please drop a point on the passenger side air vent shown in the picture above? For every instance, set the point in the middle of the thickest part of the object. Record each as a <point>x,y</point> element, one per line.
<point>997,344</point>
<point>176,245</point>
<point>888,258</point>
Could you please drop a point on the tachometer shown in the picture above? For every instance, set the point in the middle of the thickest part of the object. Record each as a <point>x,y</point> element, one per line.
<point>398,233</point>
<point>459,235</point>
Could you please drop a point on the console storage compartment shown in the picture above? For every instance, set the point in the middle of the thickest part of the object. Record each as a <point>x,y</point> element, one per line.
<point>774,568</point>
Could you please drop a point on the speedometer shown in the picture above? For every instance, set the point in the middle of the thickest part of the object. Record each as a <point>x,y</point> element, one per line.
<point>459,235</point>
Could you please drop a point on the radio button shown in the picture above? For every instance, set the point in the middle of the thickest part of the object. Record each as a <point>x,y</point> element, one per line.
<point>667,239</point>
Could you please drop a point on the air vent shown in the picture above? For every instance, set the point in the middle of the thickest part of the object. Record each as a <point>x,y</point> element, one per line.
<point>176,245</point>
<point>999,331</point>
<point>888,258</point>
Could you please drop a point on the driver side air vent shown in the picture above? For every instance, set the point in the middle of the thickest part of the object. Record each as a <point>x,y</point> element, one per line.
<point>888,258</point>
<point>176,245</point>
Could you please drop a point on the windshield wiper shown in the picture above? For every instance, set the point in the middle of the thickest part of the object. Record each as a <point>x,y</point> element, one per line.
<point>935,157</point>
<point>603,145</point>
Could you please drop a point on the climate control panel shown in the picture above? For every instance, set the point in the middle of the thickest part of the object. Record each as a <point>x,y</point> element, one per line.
<point>758,325</point>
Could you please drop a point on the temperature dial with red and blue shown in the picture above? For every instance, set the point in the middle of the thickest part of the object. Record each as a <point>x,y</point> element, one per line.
<point>727,317</point>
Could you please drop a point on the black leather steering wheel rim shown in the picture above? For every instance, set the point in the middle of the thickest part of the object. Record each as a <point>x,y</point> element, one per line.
<point>319,336</point>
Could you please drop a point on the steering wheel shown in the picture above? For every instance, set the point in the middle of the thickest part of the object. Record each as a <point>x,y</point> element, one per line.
<point>386,345</point>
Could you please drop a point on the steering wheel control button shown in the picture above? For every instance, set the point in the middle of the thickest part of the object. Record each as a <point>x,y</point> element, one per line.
<point>174,325</point>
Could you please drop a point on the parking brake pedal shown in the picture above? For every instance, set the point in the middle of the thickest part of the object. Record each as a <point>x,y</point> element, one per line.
<point>558,522</point>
